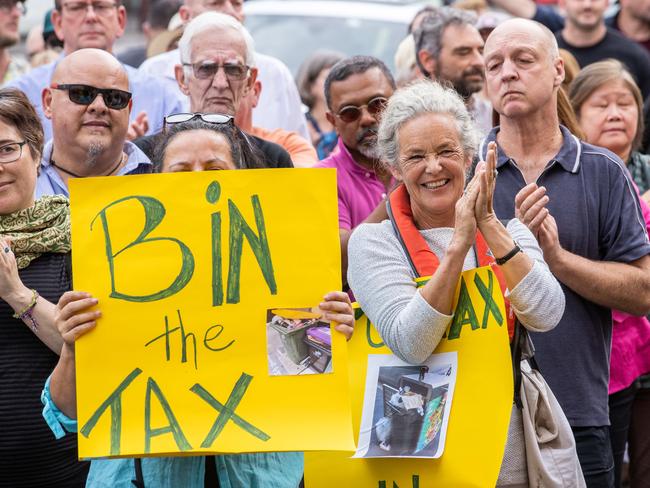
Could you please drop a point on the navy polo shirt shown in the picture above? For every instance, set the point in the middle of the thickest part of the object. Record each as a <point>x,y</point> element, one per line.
<point>598,217</point>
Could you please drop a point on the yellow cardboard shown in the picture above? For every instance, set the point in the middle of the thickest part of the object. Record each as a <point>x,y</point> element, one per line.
<point>222,345</point>
<point>480,410</point>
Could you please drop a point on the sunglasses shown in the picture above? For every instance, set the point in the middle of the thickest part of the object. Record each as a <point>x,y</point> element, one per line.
<point>350,113</point>
<point>86,94</point>
<point>208,118</point>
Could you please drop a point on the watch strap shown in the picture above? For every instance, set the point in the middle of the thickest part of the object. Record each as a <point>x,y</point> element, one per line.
<point>513,252</point>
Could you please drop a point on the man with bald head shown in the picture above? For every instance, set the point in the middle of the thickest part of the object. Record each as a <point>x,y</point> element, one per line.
<point>96,24</point>
<point>579,202</point>
<point>88,102</point>
<point>279,105</point>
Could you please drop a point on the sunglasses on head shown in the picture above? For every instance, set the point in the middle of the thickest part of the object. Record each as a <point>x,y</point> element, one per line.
<point>350,113</point>
<point>86,94</point>
<point>209,118</point>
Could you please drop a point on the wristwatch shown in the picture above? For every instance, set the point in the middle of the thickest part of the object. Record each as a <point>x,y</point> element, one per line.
<point>510,255</point>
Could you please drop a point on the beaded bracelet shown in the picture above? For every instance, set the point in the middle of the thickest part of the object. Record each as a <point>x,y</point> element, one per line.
<point>27,312</point>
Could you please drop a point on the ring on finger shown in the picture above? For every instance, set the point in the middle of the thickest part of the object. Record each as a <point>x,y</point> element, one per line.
<point>6,249</point>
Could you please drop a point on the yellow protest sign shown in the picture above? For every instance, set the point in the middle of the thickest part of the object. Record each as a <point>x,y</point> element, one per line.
<point>480,410</point>
<point>192,353</point>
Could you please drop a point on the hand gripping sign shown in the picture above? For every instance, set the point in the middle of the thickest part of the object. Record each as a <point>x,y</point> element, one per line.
<point>480,410</point>
<point>186,268</point>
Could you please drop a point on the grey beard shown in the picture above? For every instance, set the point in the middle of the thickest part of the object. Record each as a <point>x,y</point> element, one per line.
<point>94,151</point>
<point>370,152</point>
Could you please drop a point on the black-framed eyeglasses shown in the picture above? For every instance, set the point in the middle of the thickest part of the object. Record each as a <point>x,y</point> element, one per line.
<point>86,94</point>
<point>8,5</point>
<point>206,70</point>
<point>101,9</point>
<point>11,152</point>
<point>350,113</point>
<point>208,118</point>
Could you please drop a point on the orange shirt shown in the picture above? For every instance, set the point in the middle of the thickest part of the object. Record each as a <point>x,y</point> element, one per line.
<point>301,151</point>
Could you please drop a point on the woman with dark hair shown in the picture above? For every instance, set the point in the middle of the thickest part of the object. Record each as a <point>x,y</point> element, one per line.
<point>311,82</point>
<point>196,144</point>
<point>609,108</point>
<point>34,272</point>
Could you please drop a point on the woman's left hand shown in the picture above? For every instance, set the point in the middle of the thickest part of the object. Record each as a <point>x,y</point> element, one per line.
<point>10,282</point>
<point>336,307</point>
<point>484,210</point>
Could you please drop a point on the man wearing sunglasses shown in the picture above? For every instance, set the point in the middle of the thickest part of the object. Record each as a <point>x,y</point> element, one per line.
<point>10,13</point>
<point>356,91</point>
<point>217,74</point>
<point>280,105</point>
<point>88,103</point>
<point>98,24</point>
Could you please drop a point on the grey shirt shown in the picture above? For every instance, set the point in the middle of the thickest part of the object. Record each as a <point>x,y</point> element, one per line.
<point>382,281</point>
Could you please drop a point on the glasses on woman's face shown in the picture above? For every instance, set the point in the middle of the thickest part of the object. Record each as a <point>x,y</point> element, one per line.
<point>11,152</point>
<point>351,113</point>
<point>208,118</point>
<point>86,94</point>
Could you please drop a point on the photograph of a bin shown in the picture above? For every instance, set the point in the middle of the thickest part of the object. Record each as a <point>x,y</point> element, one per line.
<point>406,408</point>
<point>298,342</point>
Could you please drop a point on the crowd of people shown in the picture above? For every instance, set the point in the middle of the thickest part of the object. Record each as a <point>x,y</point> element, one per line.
<point>512,134</point>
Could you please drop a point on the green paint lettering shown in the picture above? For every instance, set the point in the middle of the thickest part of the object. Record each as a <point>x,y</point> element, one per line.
<point>490,304</point>
<point>114,402</point>
<point>464,314</point>
<point>154,212</point>
<point>207,340</point>
<point>212,195</point>
<point>173,426</point>
<point>259,245</point>
<point>227,411</point>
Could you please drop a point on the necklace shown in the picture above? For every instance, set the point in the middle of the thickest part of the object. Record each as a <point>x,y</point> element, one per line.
<point>76,175</point>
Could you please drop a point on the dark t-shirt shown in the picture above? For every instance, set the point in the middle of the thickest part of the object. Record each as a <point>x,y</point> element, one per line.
<point>613,23</point>
<point>273,155</point>
<point>614,45</point>
<point>599,218</point>
<point>29,453</point>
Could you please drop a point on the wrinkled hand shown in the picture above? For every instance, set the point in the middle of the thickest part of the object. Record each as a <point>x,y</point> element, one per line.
<point>10,282</point>
<point>336,307</point>
<point>530,206</point>
<point>484,209</point>
<point>138,127</point>
<point>465,219</point>
<point>549,240</point>
<point>72,317</point>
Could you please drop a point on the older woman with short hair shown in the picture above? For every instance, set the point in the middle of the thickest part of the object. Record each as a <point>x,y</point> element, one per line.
<point>428,140</point>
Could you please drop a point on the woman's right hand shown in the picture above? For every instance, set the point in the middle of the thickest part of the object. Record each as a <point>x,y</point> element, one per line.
<point>465,219</point>
<point>72,317</point>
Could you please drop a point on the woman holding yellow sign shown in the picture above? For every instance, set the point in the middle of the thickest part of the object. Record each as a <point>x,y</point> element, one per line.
<point>199,143</point>
<point>439,227</point>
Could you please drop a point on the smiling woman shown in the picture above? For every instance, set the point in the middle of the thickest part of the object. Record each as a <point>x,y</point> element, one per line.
<point>427,139</point>
<point>34,262</point>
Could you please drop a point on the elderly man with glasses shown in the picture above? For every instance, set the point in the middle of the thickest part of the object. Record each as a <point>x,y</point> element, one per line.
<point>217,73</point>
<point>88,103</point>
<point>356,91</point>
<point>98,24</point>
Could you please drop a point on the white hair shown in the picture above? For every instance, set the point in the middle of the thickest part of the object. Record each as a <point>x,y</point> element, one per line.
<point>214,21</point>
<point>420,98</point>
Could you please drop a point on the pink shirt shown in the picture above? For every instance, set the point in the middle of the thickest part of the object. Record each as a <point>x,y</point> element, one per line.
<point>359,189</point>
<point>630,341</point>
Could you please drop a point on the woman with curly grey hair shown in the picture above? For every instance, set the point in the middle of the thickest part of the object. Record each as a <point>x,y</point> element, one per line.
<point>428,140</point>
